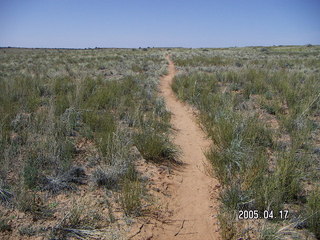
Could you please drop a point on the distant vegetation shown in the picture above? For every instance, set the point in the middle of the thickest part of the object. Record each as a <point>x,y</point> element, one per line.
<point>260,107</point>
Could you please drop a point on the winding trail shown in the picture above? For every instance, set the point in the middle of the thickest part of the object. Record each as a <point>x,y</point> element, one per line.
<point>192,201</point>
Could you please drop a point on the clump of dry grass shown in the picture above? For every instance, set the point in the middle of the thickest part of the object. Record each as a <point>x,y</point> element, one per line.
<point>6,196</point>
<point>66,181</point>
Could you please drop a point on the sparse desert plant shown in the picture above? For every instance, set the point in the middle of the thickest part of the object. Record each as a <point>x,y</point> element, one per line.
<point>5,195</point>
<point>234,198</point>
<point>31,171</point>
<point>4,224</point>
<point>272,107</point>
<point>130,197</point>
<point>28,231</point>
<point>27,201</point>
<point>65,181</point>
<point>155,147</point>
<point>270,233</point>
<point>313,212</point>
<point>108,176</point>
<point>227,223</point>
<point>117,148</point>
<point>61,104</point>
<point>117,160</point>
<point>99,121</point>
<point>287,176</point>
<point>74,216</point>
<point>254,83</point>
<point>268,195</point>
<point>81,216</point>
<point>256,133</point>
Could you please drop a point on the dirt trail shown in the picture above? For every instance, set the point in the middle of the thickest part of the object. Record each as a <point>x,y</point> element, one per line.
<point>191,202</point>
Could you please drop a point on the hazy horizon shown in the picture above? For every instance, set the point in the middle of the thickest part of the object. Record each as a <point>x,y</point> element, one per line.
<point>127,24</point>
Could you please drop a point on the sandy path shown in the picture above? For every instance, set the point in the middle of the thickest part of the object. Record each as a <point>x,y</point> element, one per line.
<point>193,202</point>
<point>187,196</point>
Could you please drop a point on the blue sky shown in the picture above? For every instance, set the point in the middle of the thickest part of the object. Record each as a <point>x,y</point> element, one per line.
<point>158,23</point>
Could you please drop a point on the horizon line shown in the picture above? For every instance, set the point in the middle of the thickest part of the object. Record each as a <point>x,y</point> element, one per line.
<point>93,48</point>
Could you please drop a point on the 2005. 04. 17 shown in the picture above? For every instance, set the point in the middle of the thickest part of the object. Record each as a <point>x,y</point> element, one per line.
<point>266,214</point>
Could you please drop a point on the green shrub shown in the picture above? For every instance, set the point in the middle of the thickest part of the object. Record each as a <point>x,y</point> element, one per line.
<point>299,128</point>
<point>271,192</point>
<point>4,225</point>
<point>254,171</point>
<point>225,128</point>
<point>243,150</point>
<point>155,147</point>
<point>99,122</point>
<point>31,172</point>
<point>63,86</point>
<point>227,224</point>
<point>114,146</point>
<point>194,87</point>
<point>66,151</point>
<point>313,212</point>
<point>27,201</point>
<point>28,231</point>
<point>270,233</point>
<point>137,68</point>
<point>257,134</point>
<point>227,162</point>
<point>109,95</point>
<point>254,83</point>
<point>32,103</point>
<point>61,104</point>
<point>233,198</point>
<point>272,107</point>
<point>267,194</point>
<point>87,88</point>
<point>287,176</point>
<point>130,197</point>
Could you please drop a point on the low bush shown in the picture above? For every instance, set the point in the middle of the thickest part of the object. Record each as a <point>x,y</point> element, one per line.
<point>154,146</point>
<point>99,121</point>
